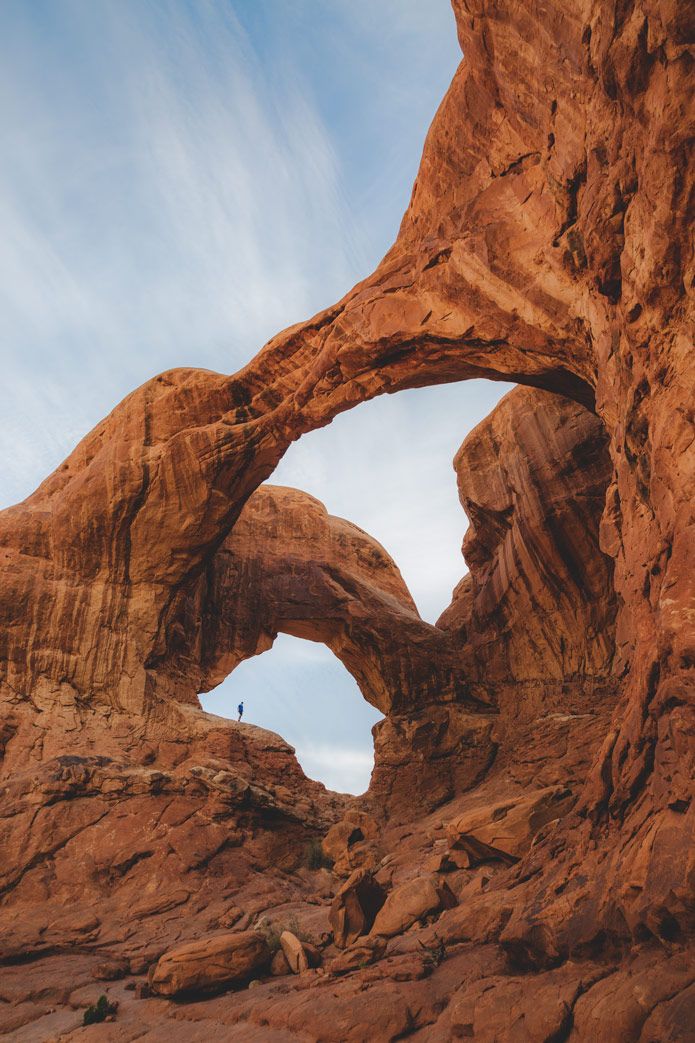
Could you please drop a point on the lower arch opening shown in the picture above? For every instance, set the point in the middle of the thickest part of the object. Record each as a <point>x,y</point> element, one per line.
<point>301,691</point>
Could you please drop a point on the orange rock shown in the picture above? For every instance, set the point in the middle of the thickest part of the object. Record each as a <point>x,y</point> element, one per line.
<point>538,603</point>
<point>279,965</point>
<point>293,949</point>
<point>547,242</point>
<point>351,843</point>
<point>506,831</point>
<point>358,956</point>
<point>209,964</point>
<point>411,902</point>
<point>355,907</point>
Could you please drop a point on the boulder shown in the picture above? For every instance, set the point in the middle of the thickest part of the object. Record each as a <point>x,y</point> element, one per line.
<point>505,831</point>
<point>351,843</point>
<point>355,907</point>
<point>357,956</point>
<point>293,949</point>
<point>313,954</point>
<point>411,902</point>
<point>111,970</point>
<point>209,964</point>
<point>279,965</point>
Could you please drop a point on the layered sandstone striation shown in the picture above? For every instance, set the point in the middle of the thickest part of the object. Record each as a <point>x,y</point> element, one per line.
<point>532,479</point>
<point>546,242</point>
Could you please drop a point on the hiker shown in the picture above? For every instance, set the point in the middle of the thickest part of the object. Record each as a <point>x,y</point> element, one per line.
<point>240,708</point>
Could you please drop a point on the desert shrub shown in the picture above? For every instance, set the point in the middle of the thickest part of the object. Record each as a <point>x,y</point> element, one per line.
<point>297,931</point>
<point>315,858</point>
<point>270,932</point>
<point>433,954</point>
<point>99,1011</point>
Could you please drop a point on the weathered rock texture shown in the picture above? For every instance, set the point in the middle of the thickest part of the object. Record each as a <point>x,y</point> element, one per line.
<point>532,479</point>
<point>546,242</point>
<point>210,964</point>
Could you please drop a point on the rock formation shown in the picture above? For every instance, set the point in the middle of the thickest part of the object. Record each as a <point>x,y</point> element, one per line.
<point>532,546</point>
<point>546,242</point>
<point>288,566</point>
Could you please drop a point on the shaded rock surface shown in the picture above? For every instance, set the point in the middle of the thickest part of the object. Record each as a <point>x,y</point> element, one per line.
<point>507,830</point>
<point>547,242</point>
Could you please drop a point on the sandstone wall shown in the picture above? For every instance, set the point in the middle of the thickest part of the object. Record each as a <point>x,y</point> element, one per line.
<point>537,605</point>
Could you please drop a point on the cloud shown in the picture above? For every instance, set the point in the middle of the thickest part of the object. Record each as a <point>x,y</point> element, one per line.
<point>183,222</point>
<point>340,768</point>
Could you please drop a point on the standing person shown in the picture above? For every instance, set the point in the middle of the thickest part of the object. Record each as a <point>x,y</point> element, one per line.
<point>240,708</point>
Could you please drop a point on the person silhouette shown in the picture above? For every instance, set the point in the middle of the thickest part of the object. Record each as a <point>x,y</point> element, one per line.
<point>240,708</point>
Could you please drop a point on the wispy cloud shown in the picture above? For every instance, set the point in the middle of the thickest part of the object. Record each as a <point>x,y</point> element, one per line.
<point>165,209</point>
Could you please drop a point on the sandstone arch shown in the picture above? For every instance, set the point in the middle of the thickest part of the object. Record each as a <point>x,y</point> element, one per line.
<point>546,242</point>
<point>290,567</point>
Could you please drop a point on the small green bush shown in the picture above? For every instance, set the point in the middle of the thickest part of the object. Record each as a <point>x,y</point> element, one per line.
<point>315,858</point>
<point>270,932</point>
<point>99,1011</point>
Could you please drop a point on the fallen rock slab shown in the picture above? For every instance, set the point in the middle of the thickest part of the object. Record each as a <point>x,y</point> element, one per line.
<point>209,964</point>
<point>293,949</point>
<point>411,902</point>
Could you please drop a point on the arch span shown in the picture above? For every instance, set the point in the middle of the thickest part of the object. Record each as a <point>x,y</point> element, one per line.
<point>290,567</point>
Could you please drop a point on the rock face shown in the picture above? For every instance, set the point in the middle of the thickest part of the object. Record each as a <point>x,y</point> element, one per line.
<point>352,843</point>
<point>546,242</point>
<point>532,479</point>
<point>506,831</point>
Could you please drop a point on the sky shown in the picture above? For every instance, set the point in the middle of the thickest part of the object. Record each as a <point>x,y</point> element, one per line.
<point>180,180</point>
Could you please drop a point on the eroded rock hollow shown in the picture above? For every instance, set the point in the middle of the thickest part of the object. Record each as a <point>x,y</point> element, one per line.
<point>522,864</point>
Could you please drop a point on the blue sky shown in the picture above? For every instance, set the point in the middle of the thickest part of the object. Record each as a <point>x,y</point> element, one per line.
<point>179,181</point>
